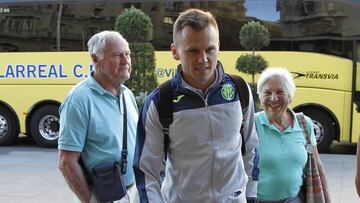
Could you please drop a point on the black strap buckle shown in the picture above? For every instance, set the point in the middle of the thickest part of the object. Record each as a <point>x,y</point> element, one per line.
<point>124,154</point>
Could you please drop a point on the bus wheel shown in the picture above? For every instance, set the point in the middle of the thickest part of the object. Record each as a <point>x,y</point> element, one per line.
<point>9,130</point>
<point>44,126</point>
<point>324,128</point>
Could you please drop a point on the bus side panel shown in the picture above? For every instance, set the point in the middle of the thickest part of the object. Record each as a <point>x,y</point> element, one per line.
<point>165,66</point>
<point>331,100</point>
<point>23,97</point>
<point>309,69</point>
<point>345,132</point>
<point>44,68</point>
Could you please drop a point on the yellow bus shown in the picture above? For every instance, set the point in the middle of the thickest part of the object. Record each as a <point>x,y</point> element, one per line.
<point>43,55</point>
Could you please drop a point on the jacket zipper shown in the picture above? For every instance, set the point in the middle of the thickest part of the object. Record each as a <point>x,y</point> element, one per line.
<point>205,100</point>
<point>208,117</point>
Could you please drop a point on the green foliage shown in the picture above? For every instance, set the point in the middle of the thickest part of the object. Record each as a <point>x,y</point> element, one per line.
<point>251,64</point>
<point>256,99</point>
<point>134,25</point>
<point>137,29</point>
<point>254,36</point>
<point>143,78</point>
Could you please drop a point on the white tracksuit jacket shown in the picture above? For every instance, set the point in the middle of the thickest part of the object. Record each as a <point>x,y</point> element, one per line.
<point>204,160</point>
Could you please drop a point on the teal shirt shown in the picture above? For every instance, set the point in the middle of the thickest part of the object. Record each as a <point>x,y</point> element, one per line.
<point>91,122</point>
<point>282,158</point>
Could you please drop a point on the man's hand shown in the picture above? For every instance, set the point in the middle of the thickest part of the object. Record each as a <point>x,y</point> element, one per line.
<point>73,174</point>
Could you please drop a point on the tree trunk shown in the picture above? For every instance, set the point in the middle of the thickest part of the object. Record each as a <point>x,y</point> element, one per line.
<point>58,27</point>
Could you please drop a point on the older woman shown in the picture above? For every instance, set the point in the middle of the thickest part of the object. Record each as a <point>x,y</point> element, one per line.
<point>282,144</point>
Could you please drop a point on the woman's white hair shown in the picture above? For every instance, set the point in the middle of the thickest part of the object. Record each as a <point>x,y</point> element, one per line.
<point>280,74</point>
<point>97,43</point>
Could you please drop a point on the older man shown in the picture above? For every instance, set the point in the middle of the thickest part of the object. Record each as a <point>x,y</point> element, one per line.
<point>91,117</point>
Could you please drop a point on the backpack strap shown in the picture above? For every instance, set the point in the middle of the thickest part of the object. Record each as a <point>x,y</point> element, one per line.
<point>243,91</point>
<point>165,111</point>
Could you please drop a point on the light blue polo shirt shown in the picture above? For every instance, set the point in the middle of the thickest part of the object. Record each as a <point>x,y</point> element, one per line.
<point>282,158</point>
<point>91,122</point>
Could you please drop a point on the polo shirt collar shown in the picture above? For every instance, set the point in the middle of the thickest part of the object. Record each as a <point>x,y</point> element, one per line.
<point>97,87</point>
<point>295,127</point>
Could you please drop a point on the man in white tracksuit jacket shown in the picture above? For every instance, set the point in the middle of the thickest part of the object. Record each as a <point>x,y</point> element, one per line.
<point>204,161</point>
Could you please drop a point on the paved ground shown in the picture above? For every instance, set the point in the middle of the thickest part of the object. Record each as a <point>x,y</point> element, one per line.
<point>340,170</point>
<point>29,174</point>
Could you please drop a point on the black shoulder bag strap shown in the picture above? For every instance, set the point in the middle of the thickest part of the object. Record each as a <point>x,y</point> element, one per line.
<point>124,151</point>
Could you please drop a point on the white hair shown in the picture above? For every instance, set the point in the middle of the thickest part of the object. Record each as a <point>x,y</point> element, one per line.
<point>97,43</point>
<point>278,73</point>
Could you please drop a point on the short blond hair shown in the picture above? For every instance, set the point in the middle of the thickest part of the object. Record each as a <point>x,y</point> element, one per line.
<point>196,19</point>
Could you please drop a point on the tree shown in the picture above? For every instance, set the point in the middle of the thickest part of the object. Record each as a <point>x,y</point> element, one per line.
<point>253,37</point>
<point>137,29</point>
<point>251,64</point>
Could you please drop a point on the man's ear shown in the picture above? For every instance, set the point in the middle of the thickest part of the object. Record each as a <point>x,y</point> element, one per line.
<point>94,58</point>
<point>174,52</point>
<point>219,48</point>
